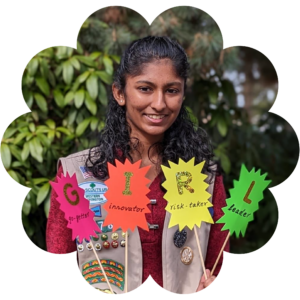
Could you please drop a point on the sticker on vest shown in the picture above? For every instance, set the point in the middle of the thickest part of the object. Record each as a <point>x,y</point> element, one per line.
<point>97,211</point>
<point>114,271</point>
<point>108,228</point>
<point>94,191</point>
<point>85,172</point>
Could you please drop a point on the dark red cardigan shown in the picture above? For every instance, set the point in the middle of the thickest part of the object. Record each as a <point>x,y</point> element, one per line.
<point>59,237</point>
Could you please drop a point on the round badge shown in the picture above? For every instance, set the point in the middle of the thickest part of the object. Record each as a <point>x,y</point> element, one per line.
<point>95,239</point>
<point>89,246</point>
<point>179,238</point>
<point>104,237</point>
<point>122,243</point>
<point>124,233</point>
<point>187,255</point>
<point>97,247</point>
<point>114,236</point>
<point>114,244</point>
<point>106,245</point>
<point>80,247</point>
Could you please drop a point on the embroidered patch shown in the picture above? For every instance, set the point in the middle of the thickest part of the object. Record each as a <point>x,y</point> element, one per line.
<point>97,211</point>
<point>85,172</point>
<point>94,191</point>
<point>114,271</point>
<point>104,229</point>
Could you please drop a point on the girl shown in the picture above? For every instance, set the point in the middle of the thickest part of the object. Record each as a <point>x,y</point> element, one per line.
<point>147,121</point>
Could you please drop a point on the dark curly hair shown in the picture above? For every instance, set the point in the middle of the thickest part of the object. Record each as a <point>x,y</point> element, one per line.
<point>181,140</point>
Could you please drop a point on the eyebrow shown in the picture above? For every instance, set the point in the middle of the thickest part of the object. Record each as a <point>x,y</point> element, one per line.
<point>153,84</point>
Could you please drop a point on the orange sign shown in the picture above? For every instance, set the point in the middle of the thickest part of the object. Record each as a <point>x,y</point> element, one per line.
<point>126,204</point>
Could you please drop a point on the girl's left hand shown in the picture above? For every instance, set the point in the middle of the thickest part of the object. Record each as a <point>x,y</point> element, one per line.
<point>205,282</point>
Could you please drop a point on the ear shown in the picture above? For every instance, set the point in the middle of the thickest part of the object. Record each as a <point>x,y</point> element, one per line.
<point>118,95</point>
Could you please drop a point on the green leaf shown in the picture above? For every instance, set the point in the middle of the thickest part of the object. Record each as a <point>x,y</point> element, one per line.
<point>9,132</point>
<point>95,55</point>
<point>79,98</point>
<point>79,48</point>
<point>44,140</point>
<point>15,151</point>
<point>86,60</point>
<point>31,127</point>
<point>222,127</point>
<point>108,65</point>
<point>82,127</point>
<point>25,151</point>
<point>42,194</point>
<point>82,78</point>
<point>225,163</point>
<point>14,175</point>
<point>20,137</point>
<point>68,72</point>
<point>26,207</point>
<point>58,98</point>
<point>43,85</point>
<point>116,58</point>
<point>63,130</point>
<point>92,86</point>
<point>50,123</point>
<point>72,116</point>
<point>106,78</point>
<point>47,206</point>
<point>69,97</point>
<point>102,94</point>
<point>75,63</point>
<point>94,123</point>
<point>32,66</point>
<point>69,51</point>
<point>41,102</point>
<point>28,97</point>
<point>37,181</point>
<point>44,68</point>
<point>36,149</point>
<point>5,155</point>
<point>90,104</point>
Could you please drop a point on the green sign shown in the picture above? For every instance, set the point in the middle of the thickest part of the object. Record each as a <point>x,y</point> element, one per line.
<point>244,201</point>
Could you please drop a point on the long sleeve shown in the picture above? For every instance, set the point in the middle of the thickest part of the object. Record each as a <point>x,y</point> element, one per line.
<point>58,236</point>
<point>217,237</point>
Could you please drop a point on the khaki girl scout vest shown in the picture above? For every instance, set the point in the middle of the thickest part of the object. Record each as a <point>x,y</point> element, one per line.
<point>178,277</point>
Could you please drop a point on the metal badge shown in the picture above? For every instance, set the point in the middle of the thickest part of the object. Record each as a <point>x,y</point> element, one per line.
<point>80,247</point>
<point>153,226</point>
<point>123,243</point>
<point>98,247</point>
<point>187,255</point>
<point>152,201</point>
<point>124,233</point>
<point>179,238</point>
<point>89,246</point>
<point>114,236</point>
<point>106,245</point>
<point>104,237</point>
<point>114,244</point>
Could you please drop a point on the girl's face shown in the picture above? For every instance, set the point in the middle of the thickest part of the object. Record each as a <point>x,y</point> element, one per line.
<point>153,99</point>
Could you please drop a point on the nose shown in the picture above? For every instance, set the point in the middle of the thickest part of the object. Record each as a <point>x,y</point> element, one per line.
<point>158,102</point>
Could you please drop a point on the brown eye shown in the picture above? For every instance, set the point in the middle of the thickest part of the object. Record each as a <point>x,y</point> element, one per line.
<point>144,89</point>
<point>172,91</point>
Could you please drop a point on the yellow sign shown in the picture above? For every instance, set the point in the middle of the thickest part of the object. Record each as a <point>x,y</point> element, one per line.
<point>186,194</point>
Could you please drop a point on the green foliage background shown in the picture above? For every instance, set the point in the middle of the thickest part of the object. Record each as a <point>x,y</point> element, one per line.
<point>229,94</point>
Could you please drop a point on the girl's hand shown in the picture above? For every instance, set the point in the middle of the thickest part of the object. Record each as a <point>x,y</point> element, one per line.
<point>205,282</point>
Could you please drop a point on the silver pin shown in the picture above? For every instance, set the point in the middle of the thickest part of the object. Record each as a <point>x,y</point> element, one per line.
<point>152,201</point>
<point>153,226</point>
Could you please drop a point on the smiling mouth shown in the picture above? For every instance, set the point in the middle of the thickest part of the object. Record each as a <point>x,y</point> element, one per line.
<point>155,117</point>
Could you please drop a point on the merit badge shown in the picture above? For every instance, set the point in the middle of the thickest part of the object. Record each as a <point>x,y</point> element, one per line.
<point>122,243</point>
<point>179,238</point>
<point>124,233</point>
<point>80,247</point>
<point>114,244</point>
<point>106,245</point>
<point>94,191</point>
<point>187,255</point>
<point>104,237</point>
<point>89,246</point>
<point>97,211</point>
<point>85,172</point>
<point>98,247</point>
<point>114,236</point>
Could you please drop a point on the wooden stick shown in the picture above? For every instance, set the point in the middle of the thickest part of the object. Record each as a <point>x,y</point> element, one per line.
<point>126,260</point>
<point>213,269</point>
<point>99,262</point>
<point>200,252</point>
